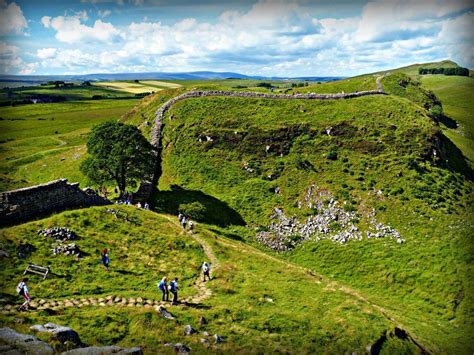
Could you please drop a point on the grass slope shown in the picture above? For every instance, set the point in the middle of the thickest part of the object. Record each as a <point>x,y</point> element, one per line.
<point>256,311</point>
<point>383,147</point>
<point>457,96</point>
<point>43,142</point>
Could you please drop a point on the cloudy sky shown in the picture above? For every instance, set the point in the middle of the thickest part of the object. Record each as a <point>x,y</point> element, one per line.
<point>264,37</point>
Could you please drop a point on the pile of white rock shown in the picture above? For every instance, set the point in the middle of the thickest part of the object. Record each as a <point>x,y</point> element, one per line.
<point>67,249</point>
<point>58,233</point>
<point>330,221</point>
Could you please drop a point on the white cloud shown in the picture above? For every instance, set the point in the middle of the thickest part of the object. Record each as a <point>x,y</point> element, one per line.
<point>28,69</point>
<point>271,38</point>
<point>104,13</point>
<point>12,20</point>
<point>9,59</point>
<point>46,53</point>
<point>69,29</point>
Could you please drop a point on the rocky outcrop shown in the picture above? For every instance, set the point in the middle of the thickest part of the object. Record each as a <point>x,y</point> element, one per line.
<point>12,342</point>
<point>60,333</point>
<point>331,220</point>
<point>32,202</point>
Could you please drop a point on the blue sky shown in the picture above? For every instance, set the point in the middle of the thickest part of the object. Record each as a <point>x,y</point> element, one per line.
<point>260,37</point>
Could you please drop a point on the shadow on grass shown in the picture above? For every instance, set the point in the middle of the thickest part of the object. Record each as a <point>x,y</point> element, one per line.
<point>454,158</point>
<point>217,212</point>
<point>228,235</point>
<point>448,121</point>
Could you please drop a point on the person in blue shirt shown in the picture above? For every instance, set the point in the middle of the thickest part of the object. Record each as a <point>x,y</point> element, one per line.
<point>173,287</point>
<point>163,286</point>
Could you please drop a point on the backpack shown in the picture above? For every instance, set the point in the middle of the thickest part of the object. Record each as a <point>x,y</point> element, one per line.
<point>172,286</point>
<point>161,285</point>
<point>20,288</point>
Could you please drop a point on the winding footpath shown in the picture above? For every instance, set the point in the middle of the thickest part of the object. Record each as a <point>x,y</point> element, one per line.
<point>203,292</point>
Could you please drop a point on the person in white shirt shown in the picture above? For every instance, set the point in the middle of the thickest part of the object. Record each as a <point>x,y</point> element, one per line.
<point>22,289</point>
<point>206,268</point>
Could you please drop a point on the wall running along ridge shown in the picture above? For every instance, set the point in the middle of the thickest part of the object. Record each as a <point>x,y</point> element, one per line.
<point>158,123</point>
<point>30,202</point>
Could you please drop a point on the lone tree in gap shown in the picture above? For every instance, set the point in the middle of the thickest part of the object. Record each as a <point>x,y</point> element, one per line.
<point>118,153</point>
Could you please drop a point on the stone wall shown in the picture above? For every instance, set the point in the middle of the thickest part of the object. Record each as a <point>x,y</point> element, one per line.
<point>31,202</point>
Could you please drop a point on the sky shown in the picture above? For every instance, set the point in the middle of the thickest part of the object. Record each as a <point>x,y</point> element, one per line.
<point>260,37</point>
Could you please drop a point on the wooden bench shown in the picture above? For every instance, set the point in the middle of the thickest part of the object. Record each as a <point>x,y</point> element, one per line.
<point>37,269</point>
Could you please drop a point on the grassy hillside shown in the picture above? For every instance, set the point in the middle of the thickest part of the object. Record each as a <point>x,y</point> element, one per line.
<point>43,142</point>
<point>457,96</point>
<point>253,310</point>
<point>378,155</point>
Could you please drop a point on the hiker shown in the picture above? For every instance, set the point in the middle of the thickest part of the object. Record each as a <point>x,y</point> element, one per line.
<point>206,268</point>
<point>191,225</point>
<point>164,289</point>
<point>22,290</point>
<point>180,217</point>
<point>183,222</point>
<point>104,258</point>
<point>173,287</point>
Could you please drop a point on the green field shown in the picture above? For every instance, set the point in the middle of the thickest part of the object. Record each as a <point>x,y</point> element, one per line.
<point>44,142</point>
<point>457,95</point>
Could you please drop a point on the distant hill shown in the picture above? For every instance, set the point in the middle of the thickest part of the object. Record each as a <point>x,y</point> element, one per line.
<point>413,69</point>
<point>197,75</point>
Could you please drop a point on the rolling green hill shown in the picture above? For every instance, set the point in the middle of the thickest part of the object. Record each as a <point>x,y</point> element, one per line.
<point>331,224</point>
<point>252,309</point>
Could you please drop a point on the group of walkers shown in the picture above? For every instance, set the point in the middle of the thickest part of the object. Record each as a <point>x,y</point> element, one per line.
<point>184,221</point>
<point>172,287</point>
<point>164,287</point>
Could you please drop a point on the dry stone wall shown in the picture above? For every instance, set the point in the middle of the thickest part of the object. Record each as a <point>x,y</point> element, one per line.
<point>31,202</point>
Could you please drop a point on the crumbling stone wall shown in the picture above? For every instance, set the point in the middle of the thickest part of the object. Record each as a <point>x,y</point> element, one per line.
<point>32,202</point>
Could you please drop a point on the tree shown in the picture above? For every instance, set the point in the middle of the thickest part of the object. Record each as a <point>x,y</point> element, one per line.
<point>118,153</point>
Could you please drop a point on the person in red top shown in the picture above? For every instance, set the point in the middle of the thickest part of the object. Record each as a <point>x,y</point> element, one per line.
<point>22,289</point>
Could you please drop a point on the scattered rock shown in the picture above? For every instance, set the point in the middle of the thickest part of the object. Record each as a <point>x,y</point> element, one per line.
<point>67,249</point>
<point>61,333</point>
<point>104,350</point>
<point>188,330</point>
<point>218,339</point>
<point>25,249</point>
<point>202,321</point>
<point>204,341</point>
<point>58,233</point>
<point>17,343</point>
<point>331,220</point>
<point>164,312</point>
<point>181,348</point>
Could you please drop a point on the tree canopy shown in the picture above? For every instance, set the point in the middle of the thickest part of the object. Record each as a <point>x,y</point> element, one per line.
<point>118,153</point>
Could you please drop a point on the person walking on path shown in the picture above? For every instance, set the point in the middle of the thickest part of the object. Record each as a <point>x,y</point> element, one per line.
<point>180,217</point>
<point>183,222</point>
<point>191,225</point>
<point>163,286</point>
<point>173,287</point>
<point>22,290</point>
<point>206,268</point>
<point>104,258</point>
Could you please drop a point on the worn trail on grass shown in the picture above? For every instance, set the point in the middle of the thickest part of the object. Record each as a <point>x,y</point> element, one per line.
<point>331,285</point>
<point>204,292</point>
